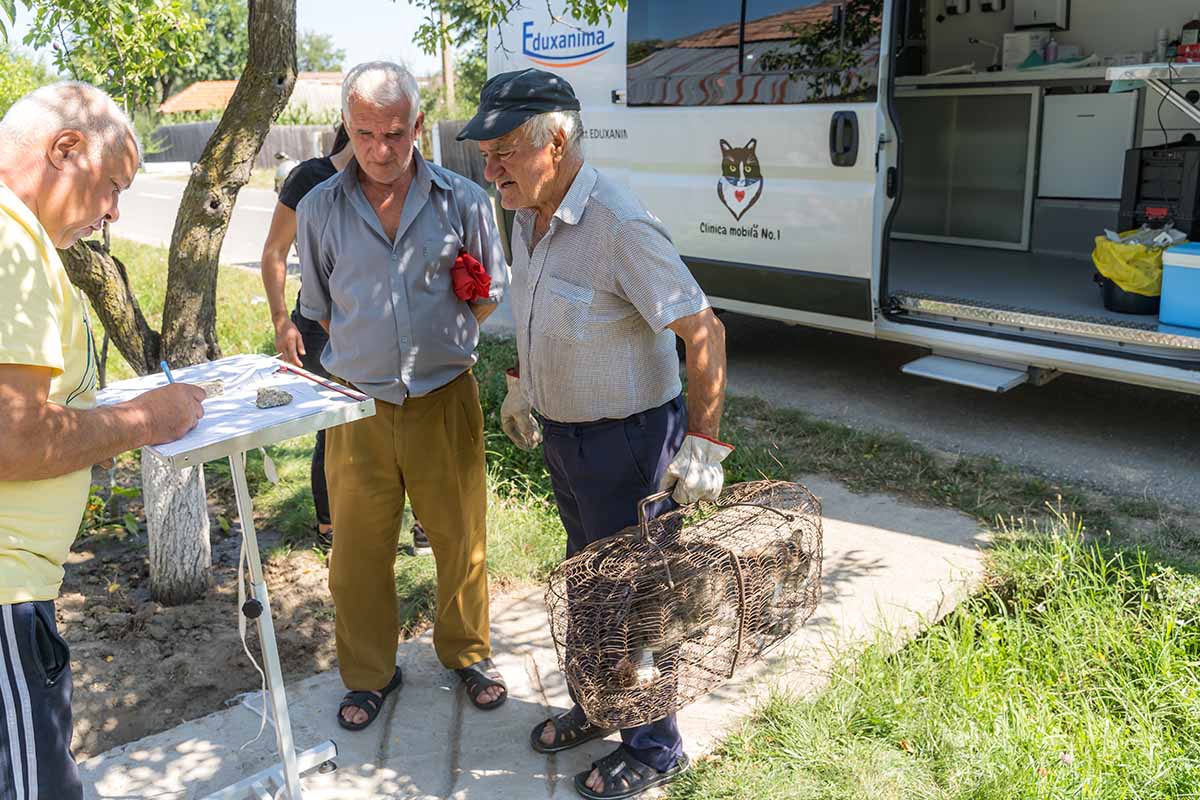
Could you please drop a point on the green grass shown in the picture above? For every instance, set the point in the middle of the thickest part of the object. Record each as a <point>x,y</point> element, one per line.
<point>243,317</point>
<point>1074,676</point>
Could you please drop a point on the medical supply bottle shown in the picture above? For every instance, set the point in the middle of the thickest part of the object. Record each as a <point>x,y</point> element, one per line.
<point>1191,32</point>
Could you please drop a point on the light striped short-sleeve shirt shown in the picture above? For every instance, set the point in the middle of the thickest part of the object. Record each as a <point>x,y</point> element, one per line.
<point>592,302</point>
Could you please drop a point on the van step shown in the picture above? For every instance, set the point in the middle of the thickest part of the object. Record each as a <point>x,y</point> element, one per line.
<point>967,373</point>
<point>1125,332</point>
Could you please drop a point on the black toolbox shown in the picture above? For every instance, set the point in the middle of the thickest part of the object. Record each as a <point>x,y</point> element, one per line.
<point>1162,185</point>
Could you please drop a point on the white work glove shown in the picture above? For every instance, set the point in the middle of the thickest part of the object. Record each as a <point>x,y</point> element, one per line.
<point>516,416</point>
<point>696,471</point>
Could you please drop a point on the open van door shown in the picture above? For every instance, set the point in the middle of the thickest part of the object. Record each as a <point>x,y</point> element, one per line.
<point>750,128</point>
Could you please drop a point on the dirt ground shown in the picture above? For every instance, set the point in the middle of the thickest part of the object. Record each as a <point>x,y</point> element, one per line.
<point>140,667</point>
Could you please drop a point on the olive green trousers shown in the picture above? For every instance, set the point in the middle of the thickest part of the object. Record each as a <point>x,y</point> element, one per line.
<point>430,448</point>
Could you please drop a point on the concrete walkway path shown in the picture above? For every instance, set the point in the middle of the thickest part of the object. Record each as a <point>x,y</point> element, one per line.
<point>887,564</point>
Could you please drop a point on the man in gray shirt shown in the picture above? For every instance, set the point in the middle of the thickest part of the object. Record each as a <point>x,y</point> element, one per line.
<point>401,263</point>
<point>599,294</point>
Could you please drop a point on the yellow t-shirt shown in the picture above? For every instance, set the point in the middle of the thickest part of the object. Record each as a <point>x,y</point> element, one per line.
<point>43,322</point>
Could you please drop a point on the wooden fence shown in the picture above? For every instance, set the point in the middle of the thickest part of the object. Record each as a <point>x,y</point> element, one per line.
<point>186,142</point>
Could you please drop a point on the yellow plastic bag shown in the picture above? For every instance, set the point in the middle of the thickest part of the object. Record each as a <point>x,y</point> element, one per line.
<point>1133,267</point>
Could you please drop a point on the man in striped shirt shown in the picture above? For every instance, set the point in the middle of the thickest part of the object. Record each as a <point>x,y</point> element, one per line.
<point>599,295</point>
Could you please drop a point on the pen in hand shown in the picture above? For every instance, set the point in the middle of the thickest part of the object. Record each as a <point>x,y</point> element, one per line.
<point>167,371</point>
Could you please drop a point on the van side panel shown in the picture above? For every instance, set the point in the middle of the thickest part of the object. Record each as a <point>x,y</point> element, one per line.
<point>804,244</point>
<point>749,191</point>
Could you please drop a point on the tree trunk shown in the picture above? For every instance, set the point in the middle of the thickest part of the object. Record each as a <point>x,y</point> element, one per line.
<point>180,553</point>
<point>189,314</point>
<point>177,517</point>
<point>103,279</point>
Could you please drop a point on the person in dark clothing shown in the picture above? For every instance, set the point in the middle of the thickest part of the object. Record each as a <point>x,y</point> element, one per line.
<point>298,340</point>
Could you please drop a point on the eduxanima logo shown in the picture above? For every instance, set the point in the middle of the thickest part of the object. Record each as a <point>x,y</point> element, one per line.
<point>741,181</point>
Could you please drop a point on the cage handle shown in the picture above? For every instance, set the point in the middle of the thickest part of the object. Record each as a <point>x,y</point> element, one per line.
<point>644,524</point>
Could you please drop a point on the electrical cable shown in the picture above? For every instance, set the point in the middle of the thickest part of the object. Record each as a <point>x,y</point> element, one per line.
<point>1171,87</point>
<point>241,602</point>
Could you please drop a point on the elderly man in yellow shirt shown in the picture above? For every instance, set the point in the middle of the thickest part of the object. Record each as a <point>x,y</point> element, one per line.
<point>66,154</point>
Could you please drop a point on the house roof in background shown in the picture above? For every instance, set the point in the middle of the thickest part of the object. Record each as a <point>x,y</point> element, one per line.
<point>214,95</point>
<point>200,96</point>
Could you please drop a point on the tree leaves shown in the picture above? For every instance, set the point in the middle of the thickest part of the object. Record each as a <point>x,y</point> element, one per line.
<point>8,15</point>
<point>472,18</point>
<point>316,52</point>
<point>19,76</point>
<point>121,45</point>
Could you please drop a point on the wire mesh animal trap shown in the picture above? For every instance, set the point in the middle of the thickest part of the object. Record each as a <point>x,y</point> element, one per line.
<point>664,612</point>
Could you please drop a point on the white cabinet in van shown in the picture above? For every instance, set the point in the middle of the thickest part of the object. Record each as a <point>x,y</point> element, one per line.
<point>1042,14</point>
<point>1084,139</point>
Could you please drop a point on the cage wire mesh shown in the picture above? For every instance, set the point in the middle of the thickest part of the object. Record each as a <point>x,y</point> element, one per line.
<point>649,620</point>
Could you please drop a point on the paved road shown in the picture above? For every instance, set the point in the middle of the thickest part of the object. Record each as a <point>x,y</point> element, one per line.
<point>1117,437</point>
<point>148,215</point>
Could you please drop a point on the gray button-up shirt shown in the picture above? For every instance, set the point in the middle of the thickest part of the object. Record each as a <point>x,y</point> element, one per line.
<point>396,327</point>
<point>592,303</point>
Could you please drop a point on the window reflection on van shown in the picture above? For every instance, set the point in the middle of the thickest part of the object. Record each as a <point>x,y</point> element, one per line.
<point>688,53</point>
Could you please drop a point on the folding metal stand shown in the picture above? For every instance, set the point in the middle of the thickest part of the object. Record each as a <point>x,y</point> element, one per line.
<point>227,431</point>
<point>282,781</point>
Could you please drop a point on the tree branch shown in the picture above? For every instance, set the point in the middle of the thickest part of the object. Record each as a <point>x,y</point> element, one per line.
<point>104,280</point>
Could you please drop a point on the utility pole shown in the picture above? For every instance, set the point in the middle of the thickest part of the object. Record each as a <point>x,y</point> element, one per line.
<point>447,62</point>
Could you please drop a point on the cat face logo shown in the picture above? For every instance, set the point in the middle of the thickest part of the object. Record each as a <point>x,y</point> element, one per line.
<point>741,183</point>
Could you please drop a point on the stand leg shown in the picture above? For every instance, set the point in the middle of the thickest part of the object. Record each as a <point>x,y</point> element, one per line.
<point>262,784</point>
<point>266,632</point>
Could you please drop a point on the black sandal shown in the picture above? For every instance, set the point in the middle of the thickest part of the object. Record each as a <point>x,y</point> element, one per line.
<point>568,732</point>
<point>479,676</point>
<point>367,701</point>
<point>625,776</point>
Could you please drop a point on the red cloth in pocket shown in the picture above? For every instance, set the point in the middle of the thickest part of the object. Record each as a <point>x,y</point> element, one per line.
<point>471,281</point>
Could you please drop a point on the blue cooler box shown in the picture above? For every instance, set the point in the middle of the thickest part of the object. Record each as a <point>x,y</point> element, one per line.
<point>1181,286</point>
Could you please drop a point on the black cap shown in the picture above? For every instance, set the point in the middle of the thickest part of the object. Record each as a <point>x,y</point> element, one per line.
<point>510,98</point>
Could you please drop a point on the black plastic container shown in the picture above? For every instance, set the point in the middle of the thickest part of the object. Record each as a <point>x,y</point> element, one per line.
<point>1120,301</point>
<point>1162,185</point>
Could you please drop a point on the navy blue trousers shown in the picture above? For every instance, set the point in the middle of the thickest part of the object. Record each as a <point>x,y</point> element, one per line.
<point>600,471</point>
<point>35,698</point>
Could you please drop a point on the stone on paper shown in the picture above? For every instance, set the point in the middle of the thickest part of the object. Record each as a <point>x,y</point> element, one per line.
<point>270,398</point>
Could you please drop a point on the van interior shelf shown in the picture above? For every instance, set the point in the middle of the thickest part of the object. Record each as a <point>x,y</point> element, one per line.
<point>1155,72</point>
<point>1038,76</point>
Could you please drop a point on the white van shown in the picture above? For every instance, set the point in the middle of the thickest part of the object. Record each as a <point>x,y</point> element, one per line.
<point>814,167</point>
